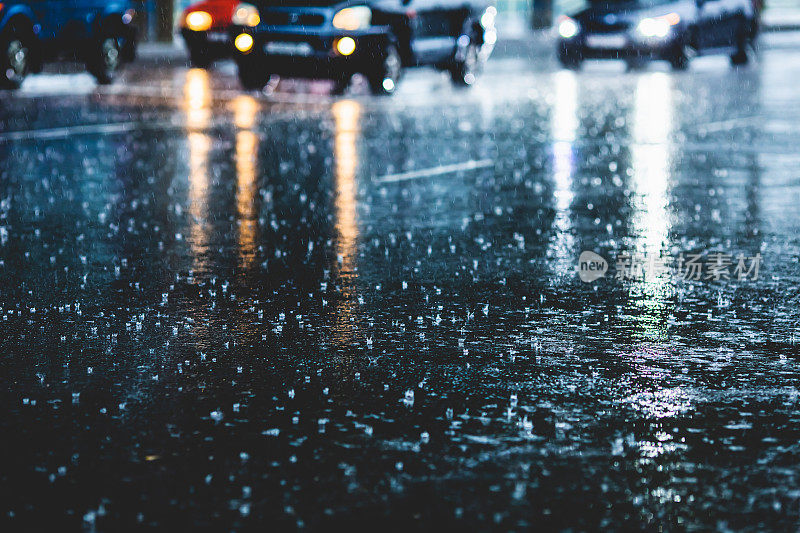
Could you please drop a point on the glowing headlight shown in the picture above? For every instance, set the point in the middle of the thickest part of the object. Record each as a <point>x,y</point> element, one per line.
<point>658,26</point>
<point>198,21</point>
<point>353,18</point>
<point>346,46</point>
<point>243,42</point>
<point>246,15</point>
<point>568,28</point>
<point>487,19</point>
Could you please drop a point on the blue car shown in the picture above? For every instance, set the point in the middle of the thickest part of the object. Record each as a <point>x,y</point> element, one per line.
<point>99,33</point>
<point>377,38</point>
<point>674,30</point>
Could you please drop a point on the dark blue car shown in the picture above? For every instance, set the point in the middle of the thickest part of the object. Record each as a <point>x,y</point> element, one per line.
<point>377,38</point>
<point>99,33</point>
<point>674,30</point>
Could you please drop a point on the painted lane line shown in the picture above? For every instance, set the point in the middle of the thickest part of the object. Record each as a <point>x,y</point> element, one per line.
<point>109,129</point>
<point>435,171</point>
<point>67,131</point>
<point>731,123</point>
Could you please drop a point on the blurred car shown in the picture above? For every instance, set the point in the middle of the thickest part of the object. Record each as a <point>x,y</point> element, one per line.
<point>672,30</point>
<point>34,32</point>
<point>205,27</point>
<point>377,38</point>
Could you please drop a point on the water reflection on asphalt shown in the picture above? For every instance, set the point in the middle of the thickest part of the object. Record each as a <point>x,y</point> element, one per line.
<point>215,313</point>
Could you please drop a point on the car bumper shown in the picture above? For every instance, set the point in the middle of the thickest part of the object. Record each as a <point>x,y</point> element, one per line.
<point>315,54</point>
<point>215,42</point>
<point>628,47</point>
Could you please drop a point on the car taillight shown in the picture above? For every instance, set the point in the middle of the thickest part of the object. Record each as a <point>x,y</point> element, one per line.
<point>199,21</point>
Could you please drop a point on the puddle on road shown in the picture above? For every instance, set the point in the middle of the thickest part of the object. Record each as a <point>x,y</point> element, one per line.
<point>237,320</point>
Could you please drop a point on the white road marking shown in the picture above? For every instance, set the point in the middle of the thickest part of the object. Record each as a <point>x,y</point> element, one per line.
<point>723,125</point>
<point>435,171</point>
<point>85,129</point>
<point>60,133</point>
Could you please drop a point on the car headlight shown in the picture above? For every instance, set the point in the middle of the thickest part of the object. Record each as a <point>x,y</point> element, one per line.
<point>487,19</point>
<point>198,20</point>
<point>657,26</point>
<point>353,18</point>
<point>568,28</point>
<point>246,15</point>
<point>243,42</point>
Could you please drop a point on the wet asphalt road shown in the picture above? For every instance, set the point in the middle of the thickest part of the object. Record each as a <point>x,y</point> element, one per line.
<point>230,310</point>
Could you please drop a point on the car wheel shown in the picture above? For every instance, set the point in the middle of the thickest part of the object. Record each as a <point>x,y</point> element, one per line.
<point>636,63</point>
<point>105,58</point>
<point>340,84</point>
<point>465,70</point>
<point>15,59</point>
<point>569,60</point>
<point>385,76</point>
<point>682,56</point>
<point>740,56</point>
<point>198,57</point>
<point>253,73</point>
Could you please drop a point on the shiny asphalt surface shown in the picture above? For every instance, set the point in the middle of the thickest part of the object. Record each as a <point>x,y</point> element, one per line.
<point>238,311</point>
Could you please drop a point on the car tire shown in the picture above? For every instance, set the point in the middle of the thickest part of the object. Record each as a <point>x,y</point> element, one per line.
<point>105,57</point>
<point>384,77</point>
<point>569,60</point>
<point>635,64</point>
<point>682,57</point>
<point>341,84</point>
<point>253,73</point>
<point>15,57</point>
<point>198,57</point>
<point>740,56</point>
<point>464,71</point>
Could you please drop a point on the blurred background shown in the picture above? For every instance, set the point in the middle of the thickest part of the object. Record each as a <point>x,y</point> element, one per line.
<point>515,18</point>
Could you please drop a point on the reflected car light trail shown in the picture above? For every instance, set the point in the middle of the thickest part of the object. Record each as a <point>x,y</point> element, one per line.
<point>564,126</point>
<point>650,154</point>
<point>245,109</point>
<point>197,101</point>
<point>347,117</point>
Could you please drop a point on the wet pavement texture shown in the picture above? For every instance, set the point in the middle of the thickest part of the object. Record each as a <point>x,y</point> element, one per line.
<point>231,310</point>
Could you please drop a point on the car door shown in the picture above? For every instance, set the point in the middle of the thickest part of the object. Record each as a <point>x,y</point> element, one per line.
<point>730,20</point>
<point>710,23</point>
<point>432,38</point>
<point>738,13</point>
<point>400,17</point>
